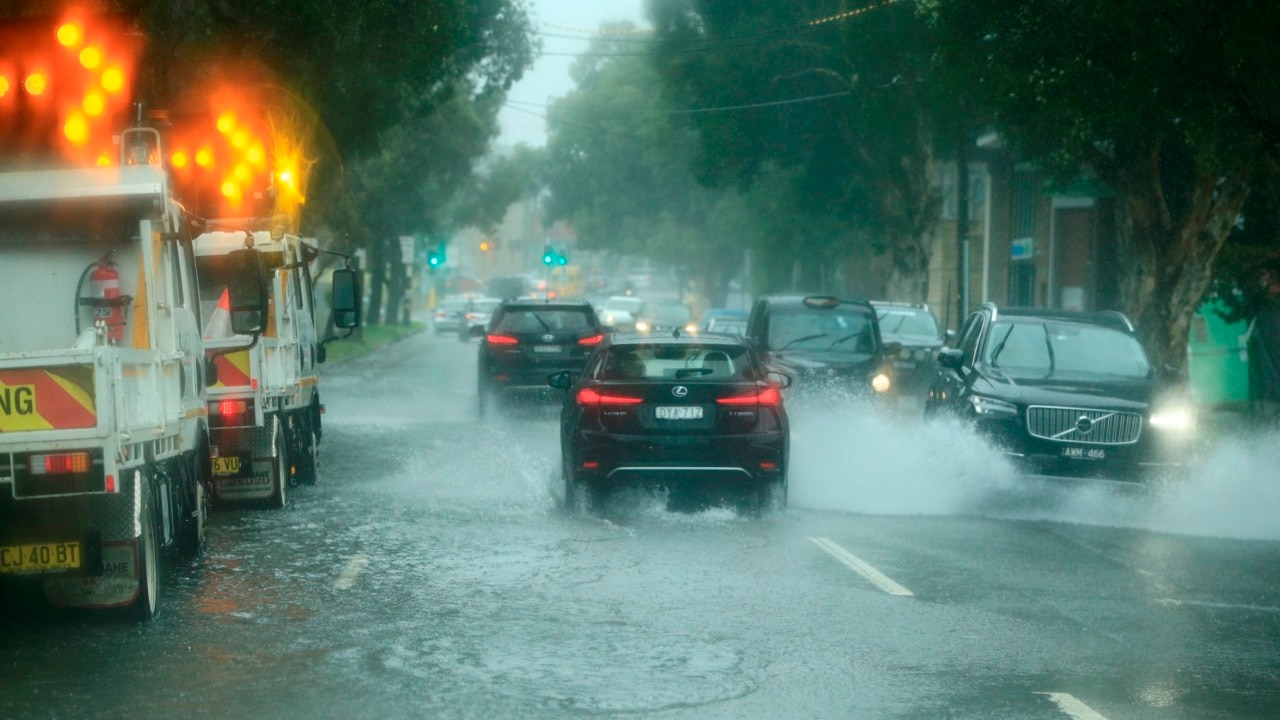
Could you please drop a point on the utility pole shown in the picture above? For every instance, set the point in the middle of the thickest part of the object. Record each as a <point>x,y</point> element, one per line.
<point>962,223</point>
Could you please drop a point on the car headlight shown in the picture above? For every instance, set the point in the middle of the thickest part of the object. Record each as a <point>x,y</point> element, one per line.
<point>990,407</point>
<point>608,319</point>
<point>642,326</point>
<point>881,383</point>
<point>691,329</point>
<point>1172,419</point>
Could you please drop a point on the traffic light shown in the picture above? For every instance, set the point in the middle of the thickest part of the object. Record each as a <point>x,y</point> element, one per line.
<point>548,255</point>
<point>440,252</point>
<point>434,258</point>
<point>562,259</point>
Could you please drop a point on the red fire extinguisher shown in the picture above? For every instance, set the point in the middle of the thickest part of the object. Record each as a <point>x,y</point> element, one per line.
<point>104,284</point>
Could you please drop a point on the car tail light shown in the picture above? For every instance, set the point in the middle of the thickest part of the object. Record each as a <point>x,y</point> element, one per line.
<point>591,341</point>
<point>766,465</point>
<point>768,396</point>
<point>587,396</point>
<point>501,340</point>
<point>60,464</point>
<point>590,465</point>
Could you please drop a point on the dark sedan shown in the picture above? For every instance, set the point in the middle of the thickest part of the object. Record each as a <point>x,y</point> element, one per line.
<point>1070,394</point>
<point>691,414</point>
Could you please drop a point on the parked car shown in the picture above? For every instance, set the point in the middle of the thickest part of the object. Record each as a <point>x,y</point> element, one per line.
<point>479,312</point>
<point>1064,393</point>
<point>690,413</point>
<point>915,328</point>
<point>529,339</point>
<point>821,338</point>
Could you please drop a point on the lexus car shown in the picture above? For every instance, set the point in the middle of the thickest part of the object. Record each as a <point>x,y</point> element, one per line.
<point>823,338</point>
<point>529,339</point>
<point>692,414</point>
<point>1064,393</point>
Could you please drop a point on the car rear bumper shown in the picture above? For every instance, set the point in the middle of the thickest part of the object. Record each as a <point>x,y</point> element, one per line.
<point>604,459</point>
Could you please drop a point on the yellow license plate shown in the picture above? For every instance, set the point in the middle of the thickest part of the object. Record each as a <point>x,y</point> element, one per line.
<point>226,465</point>
<point>40,558</point>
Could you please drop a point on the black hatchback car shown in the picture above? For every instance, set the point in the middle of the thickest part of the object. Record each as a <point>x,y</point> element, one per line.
<point>1070,394</point>
<point>817,337</point>
<point>692,414</point>
<point>527,340</point>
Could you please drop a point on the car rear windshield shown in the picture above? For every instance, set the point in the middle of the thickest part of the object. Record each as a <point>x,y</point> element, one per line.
<point>838,329</point>
<point>1044,348</point>
<point>655,361</point>
<point>908,324</point>
<point>532,320</point>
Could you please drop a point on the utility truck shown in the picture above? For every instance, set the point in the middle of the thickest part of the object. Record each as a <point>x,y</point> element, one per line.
<point>104,454</point>
<point>265,408</point>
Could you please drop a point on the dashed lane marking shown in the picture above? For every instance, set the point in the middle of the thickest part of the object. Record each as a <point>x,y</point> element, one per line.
<point>861,567</point>
<point>353,569</point>
<point>1218,605</point>
<point>1072,707</point>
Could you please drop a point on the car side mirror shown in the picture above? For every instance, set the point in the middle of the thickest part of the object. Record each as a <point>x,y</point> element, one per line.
<point>950,336</point>
<point>950,358</point>
<point>477,331</point>
<point>346,299</point>
<point>247,292</point>
<point>562,380</point>
<point>779,380</point>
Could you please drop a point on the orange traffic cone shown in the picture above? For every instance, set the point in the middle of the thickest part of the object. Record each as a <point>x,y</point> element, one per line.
<point>219,325</point>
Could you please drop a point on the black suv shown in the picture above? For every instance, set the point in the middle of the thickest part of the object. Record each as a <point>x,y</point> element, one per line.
<point>693,414</point>
<point>1065,393</point>
<point>527,340</point>
<point>813,337</point>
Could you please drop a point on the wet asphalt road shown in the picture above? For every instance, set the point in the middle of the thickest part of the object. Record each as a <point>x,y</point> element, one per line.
<point>432,573</point>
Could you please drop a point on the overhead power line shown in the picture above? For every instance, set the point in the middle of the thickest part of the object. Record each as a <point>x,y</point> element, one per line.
<point>597,33</point>
<point>691,111</point>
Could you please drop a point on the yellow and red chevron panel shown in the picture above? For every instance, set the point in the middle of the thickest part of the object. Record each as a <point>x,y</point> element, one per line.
<point>58,398</point>
<point>233,369</point>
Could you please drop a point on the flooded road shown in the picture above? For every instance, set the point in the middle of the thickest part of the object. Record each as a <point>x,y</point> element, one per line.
<point>433,573</point>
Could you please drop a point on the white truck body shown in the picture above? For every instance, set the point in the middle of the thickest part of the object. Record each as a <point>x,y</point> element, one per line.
<point>265,405</point>
<point>136,407</point>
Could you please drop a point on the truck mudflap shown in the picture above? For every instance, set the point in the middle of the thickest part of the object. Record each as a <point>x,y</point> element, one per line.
<point>241,464</point>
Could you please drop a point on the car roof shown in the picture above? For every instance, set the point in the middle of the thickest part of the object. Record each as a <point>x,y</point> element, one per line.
<point>530,304</point>
<point>643,339</point>
<point>894,305</point>
<point>1108,318</point>
<point>798,300</point>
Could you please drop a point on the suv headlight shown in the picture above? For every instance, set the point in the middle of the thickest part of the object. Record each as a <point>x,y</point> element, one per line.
<point>1176,418</point>
<point>990,407</point>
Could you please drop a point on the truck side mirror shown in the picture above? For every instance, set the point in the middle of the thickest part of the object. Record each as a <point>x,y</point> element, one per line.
<point>247,292</point>
<point>210,372</point>
<point>346,299</point>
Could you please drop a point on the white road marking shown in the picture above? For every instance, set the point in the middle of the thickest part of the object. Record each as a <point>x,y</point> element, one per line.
<point>349,573</point>
<point>1218,605</point>
<point>1072,706</point>
<point>861,567</point>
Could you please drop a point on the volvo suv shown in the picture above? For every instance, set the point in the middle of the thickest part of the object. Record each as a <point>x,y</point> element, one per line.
<point>1065,393</point>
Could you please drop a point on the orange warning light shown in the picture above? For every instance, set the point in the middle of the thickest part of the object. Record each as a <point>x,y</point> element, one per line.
<point>36,84</point>
<point>104,160</point>
<point>4,86</point>
<point>93,104</point>
<point>113,80</point>
<point>226,123</point>
<point>204,158</point>
<point>70,35</point>
<point>240,139</point>
<point>286,177</point>
<point>76,129</point>
<point>256,155</point>
<point>90,58</point>
<point>178,160</point>
<point>229,189</point>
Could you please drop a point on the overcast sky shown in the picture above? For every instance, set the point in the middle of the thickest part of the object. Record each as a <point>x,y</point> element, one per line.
<point>549,76</point>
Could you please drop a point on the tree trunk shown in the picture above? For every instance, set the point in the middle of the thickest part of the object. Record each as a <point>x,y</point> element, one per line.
<point>908,277</point>
<point>377,280</point>
<point>1168,254</point>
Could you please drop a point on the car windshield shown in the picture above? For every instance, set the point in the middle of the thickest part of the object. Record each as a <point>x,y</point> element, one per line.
<point>907,325</point>
<point>1046,348</point>
<point>543,320</point>
<point>837,329</point>
<point>675,362</point>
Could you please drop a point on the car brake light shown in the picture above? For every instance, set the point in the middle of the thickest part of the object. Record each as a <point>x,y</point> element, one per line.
<point>587,396</point>
<point>501,340</point>
<point>590,465</point>
<point>60,464</point>
<point>591,341</point>
<point>766,465</point>
<point>768,397</point>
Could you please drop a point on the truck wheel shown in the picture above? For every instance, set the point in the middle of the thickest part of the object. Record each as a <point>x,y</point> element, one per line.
<point>148,556</point>
<point>280,469</point>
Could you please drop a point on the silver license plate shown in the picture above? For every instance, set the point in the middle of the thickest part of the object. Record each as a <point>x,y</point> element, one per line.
<point>546,348</point>
<point>1080,453</point>
<point>679,412</point>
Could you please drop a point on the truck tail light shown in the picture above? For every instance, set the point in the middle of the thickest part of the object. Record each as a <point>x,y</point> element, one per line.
<point>227,408</point>
<point>587,396</point>
<point>75,463</point>
<point>768,397</point>
<point>109,484</point>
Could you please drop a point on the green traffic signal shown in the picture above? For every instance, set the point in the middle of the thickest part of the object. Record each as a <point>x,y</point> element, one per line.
<point>548,255</point>
<point>562,259</point>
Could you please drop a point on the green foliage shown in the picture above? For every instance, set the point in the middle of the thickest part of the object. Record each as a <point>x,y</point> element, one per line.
<point>501,181</point>
<point>369,340</point>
